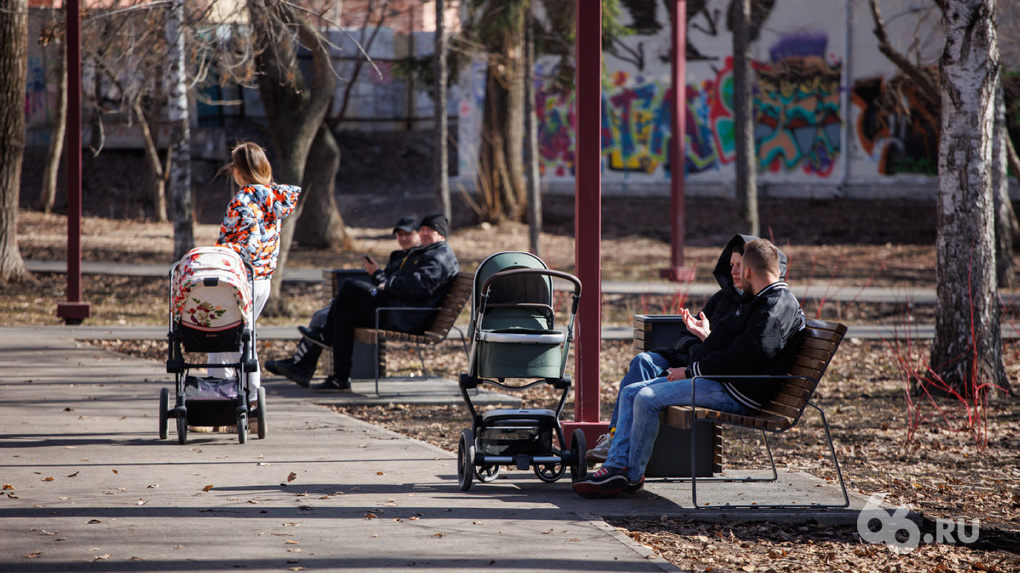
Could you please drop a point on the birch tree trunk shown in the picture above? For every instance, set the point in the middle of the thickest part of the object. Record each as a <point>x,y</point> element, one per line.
<point>48,192</point>
<point>442,174</point>
<point>13,70</point>
<point>180,135</point>
<point>1005,218</point>
<point>967,350</point>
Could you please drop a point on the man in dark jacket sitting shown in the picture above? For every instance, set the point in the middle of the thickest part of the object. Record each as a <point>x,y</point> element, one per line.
<point>651,364</point>
<point>300,367</point>
<point>758,338</point>
<point>423,280</point>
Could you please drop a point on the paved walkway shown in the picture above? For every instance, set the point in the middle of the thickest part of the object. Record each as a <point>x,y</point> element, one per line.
<point>88,486</point>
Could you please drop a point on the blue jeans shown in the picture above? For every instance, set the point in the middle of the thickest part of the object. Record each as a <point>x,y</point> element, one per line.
<point>640,405</point>
<point>644,366</point>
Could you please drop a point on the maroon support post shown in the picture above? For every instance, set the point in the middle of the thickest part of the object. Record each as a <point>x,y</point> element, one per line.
<point>73,311</point>
<point>678,157</point>
<point>588,219</point>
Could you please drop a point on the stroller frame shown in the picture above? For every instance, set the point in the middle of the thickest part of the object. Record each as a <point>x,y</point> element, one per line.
<point>198,411</point>
<point>518,437</point>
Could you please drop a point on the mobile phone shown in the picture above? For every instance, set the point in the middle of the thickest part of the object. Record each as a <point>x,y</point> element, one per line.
<point>367,258</point>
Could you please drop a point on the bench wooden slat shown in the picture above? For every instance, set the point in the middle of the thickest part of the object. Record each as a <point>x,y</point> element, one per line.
<point>819,342</point>
<point>446,317</point>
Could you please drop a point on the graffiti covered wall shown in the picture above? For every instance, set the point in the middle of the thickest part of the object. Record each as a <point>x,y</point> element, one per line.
<point>816,126</point>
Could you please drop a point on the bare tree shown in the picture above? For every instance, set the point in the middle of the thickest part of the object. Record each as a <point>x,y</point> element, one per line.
<point>53,35</point>
<point>179,154</point>
<point>926,78</point>
<point>295,106</point>
<point>967,350</point>
<point>743,120</point>
<point>442,176</point>
<point>13,70</point>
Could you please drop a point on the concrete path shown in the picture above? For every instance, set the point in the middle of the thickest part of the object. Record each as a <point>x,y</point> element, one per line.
<point>88,486</point>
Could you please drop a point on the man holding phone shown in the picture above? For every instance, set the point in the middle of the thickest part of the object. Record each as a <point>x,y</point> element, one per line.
<point>300,367</point>
<point>421,281</point>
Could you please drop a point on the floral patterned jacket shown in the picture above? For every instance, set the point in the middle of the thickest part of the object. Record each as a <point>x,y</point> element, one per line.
<point>252,224</point>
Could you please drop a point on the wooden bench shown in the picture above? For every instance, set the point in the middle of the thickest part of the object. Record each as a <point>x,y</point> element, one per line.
<point>818,345</point>
<point>444,321</point>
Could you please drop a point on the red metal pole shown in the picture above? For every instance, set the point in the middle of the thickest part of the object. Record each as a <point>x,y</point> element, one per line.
<point>588,218</point>
<point>73,311</point>
<point>677,158</point>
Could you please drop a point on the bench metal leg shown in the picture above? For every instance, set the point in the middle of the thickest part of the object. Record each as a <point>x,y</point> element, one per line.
<point>775,476</point>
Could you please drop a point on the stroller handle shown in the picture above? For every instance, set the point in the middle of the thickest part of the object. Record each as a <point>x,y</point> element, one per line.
<point>549,272</point>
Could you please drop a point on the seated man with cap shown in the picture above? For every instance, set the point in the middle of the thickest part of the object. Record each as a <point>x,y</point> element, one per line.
<point>422,280</point>
<point>300,367</point>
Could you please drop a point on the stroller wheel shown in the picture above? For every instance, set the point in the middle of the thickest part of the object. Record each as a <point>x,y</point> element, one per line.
<point>261,413</point>
<point>164,413</point>
<point>550,472</point>
<point>182,429</point>
<point>578,448</point>
<point>487,473</point>
<point>242,427</point>
<point>466,458</point>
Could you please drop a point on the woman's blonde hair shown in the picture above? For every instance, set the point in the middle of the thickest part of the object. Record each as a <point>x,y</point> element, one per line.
<point>249,160</point>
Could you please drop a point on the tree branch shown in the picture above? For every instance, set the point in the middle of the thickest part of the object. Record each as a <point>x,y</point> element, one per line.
<point>925,82</point>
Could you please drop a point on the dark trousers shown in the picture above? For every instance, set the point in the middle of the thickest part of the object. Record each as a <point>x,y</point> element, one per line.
<point>354,306</point>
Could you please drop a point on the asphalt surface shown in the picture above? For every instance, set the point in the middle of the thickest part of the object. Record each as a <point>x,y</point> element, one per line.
<point>89,486</point>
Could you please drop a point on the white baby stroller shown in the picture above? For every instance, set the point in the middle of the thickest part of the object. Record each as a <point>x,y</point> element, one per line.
<point>514,335</point>
<point>211,310</point>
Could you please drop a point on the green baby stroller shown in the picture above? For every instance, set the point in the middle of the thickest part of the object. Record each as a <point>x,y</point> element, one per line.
<point>513,335</point>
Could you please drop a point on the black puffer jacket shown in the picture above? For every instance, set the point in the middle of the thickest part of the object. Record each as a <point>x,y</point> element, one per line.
<point>423,280</point>
<point>759,337</point>
<point>396,261</point>
<point>723,302</point>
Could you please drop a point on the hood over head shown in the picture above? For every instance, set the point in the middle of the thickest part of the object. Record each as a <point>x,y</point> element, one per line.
<point>722,267</point>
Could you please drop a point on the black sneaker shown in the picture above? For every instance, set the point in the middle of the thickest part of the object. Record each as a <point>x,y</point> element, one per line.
<point>334,384</point>
<point>289,369</point>
<point>635,486</point>
<point>606,482</point>
<point>314,335</point>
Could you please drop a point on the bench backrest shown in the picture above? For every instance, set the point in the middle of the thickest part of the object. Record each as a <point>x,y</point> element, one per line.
<point>819,341</point>
<point>452,305</point>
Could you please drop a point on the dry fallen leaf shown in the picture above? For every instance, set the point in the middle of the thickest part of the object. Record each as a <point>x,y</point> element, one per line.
<point>115,471</point>
<point>47,479</point>
<point>74,474</point>
<point>8,486</point>
<point>33,555</point>
<point>208,487</point>
<point>370,515</point>
<point>292,477</point>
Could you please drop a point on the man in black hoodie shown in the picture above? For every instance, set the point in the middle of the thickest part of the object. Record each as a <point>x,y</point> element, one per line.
<point>758,337</point>
<point>422,280</point>
<point>650,365</point>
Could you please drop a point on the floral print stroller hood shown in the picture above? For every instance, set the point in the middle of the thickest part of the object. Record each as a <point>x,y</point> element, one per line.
<point>210,290</point>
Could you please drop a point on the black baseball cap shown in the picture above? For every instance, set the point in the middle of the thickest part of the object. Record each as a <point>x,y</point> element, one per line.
<point>406,224</point>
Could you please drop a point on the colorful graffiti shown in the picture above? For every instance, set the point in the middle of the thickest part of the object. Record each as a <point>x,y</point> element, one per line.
<point>897,126</point>
<point>798,120</point>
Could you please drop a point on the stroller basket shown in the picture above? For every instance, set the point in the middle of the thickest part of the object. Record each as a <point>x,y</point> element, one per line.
<point>226,339</point>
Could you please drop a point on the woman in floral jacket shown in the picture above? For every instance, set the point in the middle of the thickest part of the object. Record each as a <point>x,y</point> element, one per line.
<point>252,228</point>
